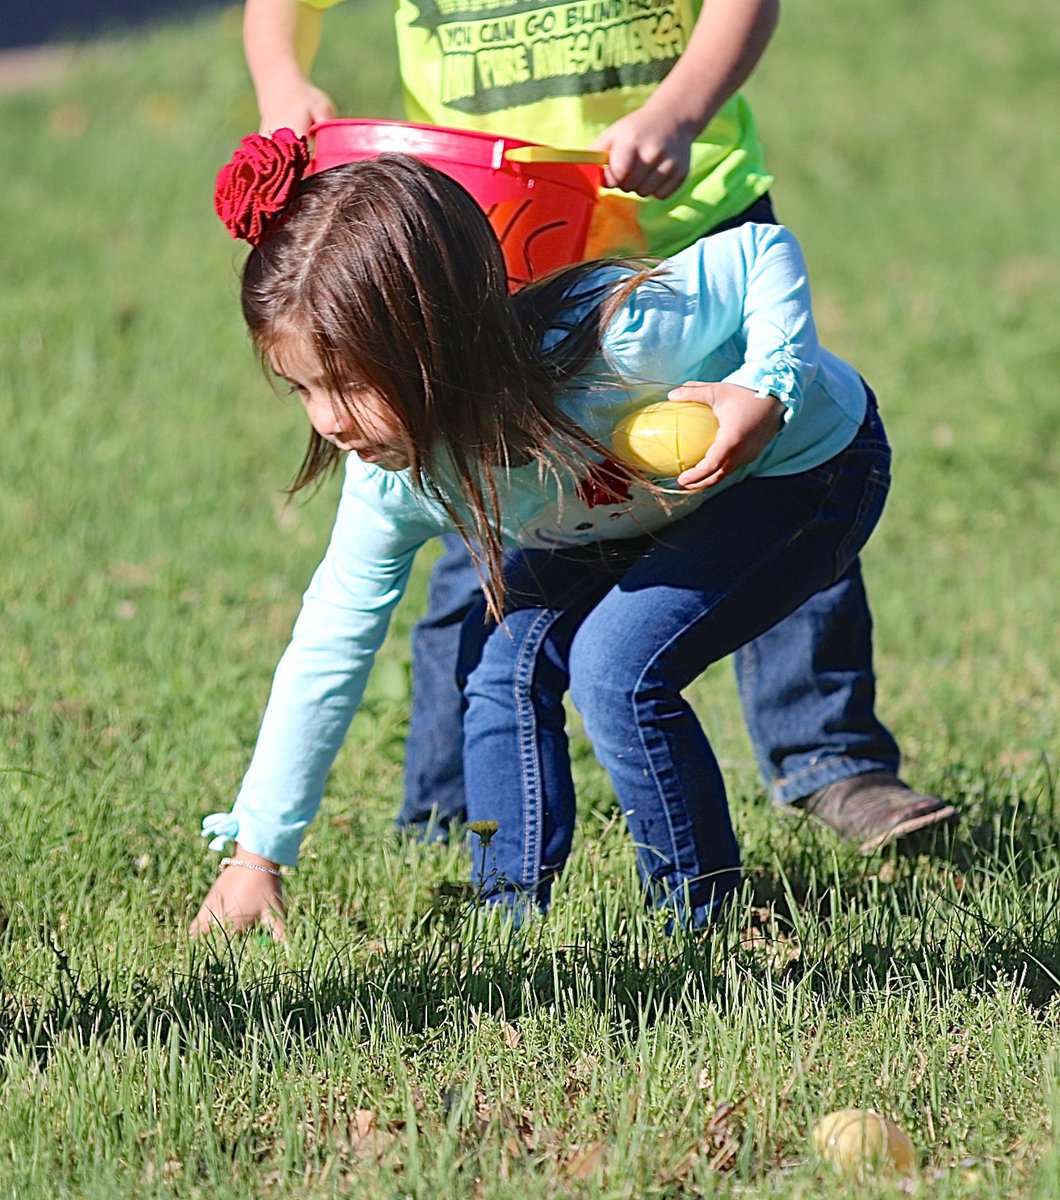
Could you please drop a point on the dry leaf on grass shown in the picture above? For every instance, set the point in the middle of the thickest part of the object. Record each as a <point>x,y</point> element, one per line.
<point>359,1134</point>
<point>723,1136</point>
<point>584,1161</point>
<point>718,1147</point>
<point>510,1034</point>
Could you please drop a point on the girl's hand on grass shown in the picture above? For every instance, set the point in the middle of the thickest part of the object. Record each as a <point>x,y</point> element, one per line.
<point>646,154</point>
<point>298,106</point>
<point>241,898</point>
<point>746,425</point>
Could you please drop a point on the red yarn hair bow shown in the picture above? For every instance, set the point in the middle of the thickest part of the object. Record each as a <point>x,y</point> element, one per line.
<point>258,184</point>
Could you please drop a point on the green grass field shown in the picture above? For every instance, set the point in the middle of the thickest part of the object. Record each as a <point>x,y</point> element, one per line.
<point>401,1044</point>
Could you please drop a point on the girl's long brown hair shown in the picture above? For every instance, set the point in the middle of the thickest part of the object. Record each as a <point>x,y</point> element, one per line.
<point>391,273</point>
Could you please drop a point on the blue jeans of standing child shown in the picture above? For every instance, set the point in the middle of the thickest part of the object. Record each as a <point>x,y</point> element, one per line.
<point>626,626</point>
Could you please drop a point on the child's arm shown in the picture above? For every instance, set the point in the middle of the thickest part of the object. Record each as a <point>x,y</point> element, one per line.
<point>280,39</point>
<point>650,148</point>
<point>316,689</point>
<point>733,309</point>
<point>781,354</point>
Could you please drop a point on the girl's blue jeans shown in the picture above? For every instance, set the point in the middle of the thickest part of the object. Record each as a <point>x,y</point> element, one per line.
<point>806,685</point>
<point>625,626</point>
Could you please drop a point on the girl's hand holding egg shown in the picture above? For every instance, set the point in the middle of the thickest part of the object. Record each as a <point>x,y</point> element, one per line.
<point>747,423</point>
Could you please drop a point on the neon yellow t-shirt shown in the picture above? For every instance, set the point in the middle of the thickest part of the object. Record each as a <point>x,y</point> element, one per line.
<point>561,74</point>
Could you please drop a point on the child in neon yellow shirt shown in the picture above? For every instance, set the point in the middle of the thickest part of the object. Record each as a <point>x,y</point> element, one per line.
<point>654,85</point>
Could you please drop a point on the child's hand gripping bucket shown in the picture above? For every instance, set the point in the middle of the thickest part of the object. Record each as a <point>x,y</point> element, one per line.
<point>539,200</point>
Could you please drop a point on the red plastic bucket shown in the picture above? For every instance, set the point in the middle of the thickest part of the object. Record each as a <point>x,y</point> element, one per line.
<point>540,211</point>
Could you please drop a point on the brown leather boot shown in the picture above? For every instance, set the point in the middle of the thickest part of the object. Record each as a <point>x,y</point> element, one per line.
<point>876,809</point>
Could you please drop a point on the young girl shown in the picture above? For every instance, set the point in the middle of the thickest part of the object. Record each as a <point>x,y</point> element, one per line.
<point>378,291</point>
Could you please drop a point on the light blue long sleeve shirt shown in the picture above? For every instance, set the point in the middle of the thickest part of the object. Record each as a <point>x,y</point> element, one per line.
<point>732,308</point>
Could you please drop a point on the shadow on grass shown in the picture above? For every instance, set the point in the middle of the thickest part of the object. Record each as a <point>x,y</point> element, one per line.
<point>984,905</point>
<point>955,909</point>
<point>633,980</point>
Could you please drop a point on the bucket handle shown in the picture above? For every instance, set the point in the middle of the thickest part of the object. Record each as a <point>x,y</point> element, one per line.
<point>555,154</point>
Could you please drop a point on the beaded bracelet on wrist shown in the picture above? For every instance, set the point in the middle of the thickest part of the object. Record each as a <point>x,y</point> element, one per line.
<point>242,862</point>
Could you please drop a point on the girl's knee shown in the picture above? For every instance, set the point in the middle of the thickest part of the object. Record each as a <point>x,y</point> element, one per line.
<point>603,683</point>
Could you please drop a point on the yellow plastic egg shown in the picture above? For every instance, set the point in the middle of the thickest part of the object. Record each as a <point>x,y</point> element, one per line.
<point>858,1137</point>
<point>665,438</point>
